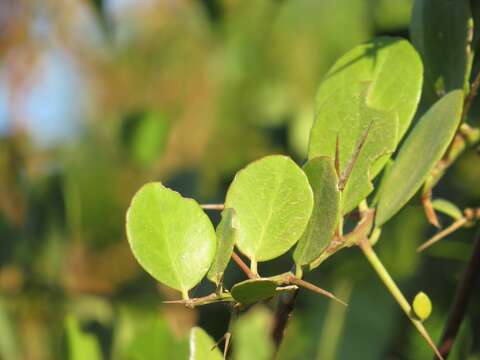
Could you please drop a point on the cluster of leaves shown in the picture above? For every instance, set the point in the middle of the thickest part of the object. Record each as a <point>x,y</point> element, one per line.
<point>364,108</point>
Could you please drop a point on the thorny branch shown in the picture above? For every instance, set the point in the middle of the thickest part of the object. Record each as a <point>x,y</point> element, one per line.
<point>462,299</point>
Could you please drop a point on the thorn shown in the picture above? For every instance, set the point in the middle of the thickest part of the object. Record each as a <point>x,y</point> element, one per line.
<point>429,210</point>
<point>314,288</point>
<point>238,260</point>
<point>351,163</point>
<point>225,337</point>
<point>212,206</point>
<point>445,232</point>
<point>227,344</point>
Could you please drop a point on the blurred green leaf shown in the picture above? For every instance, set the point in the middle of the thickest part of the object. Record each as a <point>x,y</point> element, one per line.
<point>227,233</point>
<point>155,340</point>
<point>392,15</point>
<point>253,290</point>
<point>8,341</point>
<point>326,210</point>
<point>81,346</point>
<point>170,236</point>
<point>362,90</point>
<point>141,332</point>
<point>420,152</point>
<point>334,322</point>
<point>404,234</point>
<point>273,201</point>
<point>145,137</point>
<point>88,198</point>
<point>251,334</point>
<point>439,31</point>
<point>298,130</point>
<point>202,347</point>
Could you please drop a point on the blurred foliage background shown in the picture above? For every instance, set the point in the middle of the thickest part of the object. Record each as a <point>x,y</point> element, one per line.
<point>98,97</point>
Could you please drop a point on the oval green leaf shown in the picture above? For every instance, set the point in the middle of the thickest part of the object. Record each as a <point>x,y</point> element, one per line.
<point>377,84</point>
<point>439,31</point>
<point>326,210</point>
<point>253,290</point>
<point>273,202</point>
<point>227,234</point>
<point>170,236</point>
<point>422,149</point>
<point>202,346</point>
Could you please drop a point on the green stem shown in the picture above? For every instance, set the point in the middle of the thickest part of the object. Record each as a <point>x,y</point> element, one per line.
<point>334,323</point>
<point>395,291</point>
<point>298,271</point>
<point>254,267</point>
<point>204,300</point>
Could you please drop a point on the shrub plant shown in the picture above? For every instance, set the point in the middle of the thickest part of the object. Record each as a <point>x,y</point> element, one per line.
<point>390,118</point>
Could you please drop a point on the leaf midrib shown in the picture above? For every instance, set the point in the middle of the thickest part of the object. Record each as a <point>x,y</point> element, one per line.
<point>271,203</point>
<point>169,252</point>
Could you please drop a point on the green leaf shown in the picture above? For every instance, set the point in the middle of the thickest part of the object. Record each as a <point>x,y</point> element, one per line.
<point>81,345</point>
<point>423,148</point>
<point>439,32</point>
<point>273,201</point>
<point>227,234</point>
<point>202,346</point>
<point>253,290</point>
<point>326,210</point>
<point>251,335</point>
<point>170,236</point>
<point>448,208</point>
<point>378,83</point>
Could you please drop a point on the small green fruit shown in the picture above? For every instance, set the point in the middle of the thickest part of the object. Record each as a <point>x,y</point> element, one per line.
<point>422,306</point>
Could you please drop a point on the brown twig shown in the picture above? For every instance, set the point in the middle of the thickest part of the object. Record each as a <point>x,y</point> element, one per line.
<point>467,104</point>
<point>440,235</point>
<point>429,210</point>
<point>243,266</point>
<point>462,298</point>
<point>286,304</point>
<point>204,300</point>
<point>283,313</point>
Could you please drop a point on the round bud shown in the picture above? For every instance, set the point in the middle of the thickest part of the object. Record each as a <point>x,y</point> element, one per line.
<point>422,306</point>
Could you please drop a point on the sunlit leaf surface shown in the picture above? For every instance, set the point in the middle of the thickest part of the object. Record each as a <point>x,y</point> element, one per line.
<point>170,236</point>
<point>273,201</point>
<point>377,84</point>
<point>420,152</point>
